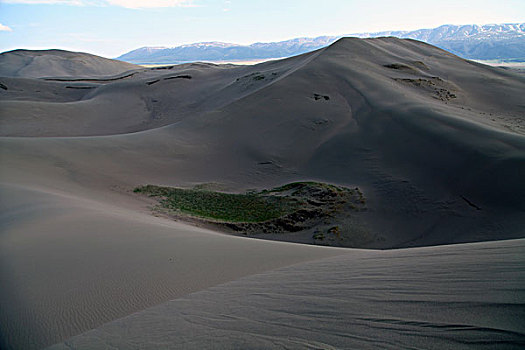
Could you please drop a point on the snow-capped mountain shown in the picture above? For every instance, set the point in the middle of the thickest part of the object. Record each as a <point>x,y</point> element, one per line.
<point>484,42</point>
<point>453,32</point>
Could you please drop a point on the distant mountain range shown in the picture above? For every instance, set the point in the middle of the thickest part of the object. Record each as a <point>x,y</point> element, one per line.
<point>486,42</point>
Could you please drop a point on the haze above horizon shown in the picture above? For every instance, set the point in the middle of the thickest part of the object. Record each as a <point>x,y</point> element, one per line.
<point>112,27</point>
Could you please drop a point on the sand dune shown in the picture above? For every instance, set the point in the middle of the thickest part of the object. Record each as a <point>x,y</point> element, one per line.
<point>453,297</point>
<point>435,143</point>
<point>71,264</point>
<point>58,63</point>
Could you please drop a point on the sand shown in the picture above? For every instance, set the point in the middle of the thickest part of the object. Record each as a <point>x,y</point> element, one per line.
<point>436,143</point>
<point>69,265</point>
<point>58,63</point>
<point>468,296</point>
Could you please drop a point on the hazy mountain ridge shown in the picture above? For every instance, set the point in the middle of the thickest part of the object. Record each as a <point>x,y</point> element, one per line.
<point>226,51</point>
<point>485,42</point>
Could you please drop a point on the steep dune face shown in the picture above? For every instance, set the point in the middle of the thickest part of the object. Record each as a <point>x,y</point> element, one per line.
<point>58,63</point>
<point>436,142</point>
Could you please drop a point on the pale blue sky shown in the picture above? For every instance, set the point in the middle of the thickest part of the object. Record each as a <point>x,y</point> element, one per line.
<point>113,27</point>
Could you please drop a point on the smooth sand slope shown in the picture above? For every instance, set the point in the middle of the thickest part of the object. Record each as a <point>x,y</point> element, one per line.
<point>452,297</point>
<point>58,63</point>
<point>436,144</point>
<point>68,265</point>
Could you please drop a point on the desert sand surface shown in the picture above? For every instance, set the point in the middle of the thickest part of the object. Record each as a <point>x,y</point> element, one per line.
<point>468,296</point>
<point>435,143</point>
<point>58,63</point>
<point>69,265</point>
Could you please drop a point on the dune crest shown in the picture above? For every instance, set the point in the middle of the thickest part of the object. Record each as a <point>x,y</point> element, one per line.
<point>58,63</point>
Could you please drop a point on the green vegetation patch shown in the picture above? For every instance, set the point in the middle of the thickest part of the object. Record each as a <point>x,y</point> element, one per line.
<point>251,207</point>
<point>321,212</point>
<point>292,207</point>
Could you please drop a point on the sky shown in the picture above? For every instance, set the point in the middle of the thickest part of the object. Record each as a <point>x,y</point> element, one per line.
<point>111,28</point>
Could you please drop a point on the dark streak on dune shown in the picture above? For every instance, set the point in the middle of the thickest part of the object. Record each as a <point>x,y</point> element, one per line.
<point>402,67</point>
<point>184,76</point>
<point>396,66</point>
<point>162,68</point>
<point>80,87</point>
<point>318,97</point>
<point>470,203</point>
<point>92,80</point>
